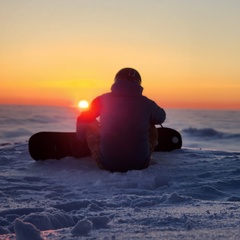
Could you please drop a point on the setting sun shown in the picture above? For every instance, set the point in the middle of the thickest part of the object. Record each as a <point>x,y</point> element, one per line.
<point>83,104</point>
<point>50,60</point>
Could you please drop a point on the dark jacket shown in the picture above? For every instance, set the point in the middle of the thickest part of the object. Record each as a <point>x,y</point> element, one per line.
<point>125,117</point>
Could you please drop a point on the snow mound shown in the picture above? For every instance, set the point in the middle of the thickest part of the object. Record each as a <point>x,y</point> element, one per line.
<point>82,228</point>
<point>26,231</point>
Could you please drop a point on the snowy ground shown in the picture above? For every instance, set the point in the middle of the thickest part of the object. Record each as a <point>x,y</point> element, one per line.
<point>186,194</point>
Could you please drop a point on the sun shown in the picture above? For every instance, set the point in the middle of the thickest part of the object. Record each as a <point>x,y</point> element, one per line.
<point>83,104</point>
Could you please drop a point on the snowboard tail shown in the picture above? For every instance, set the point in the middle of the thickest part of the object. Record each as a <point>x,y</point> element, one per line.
<point>168,140</point>
<point>57,145</point>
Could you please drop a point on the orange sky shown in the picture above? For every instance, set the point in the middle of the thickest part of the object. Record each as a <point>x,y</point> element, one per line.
<point>59,52</point>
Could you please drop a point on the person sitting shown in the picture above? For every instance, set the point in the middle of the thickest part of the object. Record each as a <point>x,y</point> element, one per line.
<point>125,135</point>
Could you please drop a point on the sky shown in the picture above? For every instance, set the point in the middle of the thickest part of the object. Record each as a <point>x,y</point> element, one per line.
<point>57,52</point>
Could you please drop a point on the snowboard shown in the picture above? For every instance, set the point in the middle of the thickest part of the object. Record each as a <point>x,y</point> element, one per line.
<point>57,145</point>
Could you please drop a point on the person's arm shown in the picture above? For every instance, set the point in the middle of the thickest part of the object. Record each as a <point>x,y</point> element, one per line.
<point>92,113</point>
<point>158,115</point>
<point>87,117</point>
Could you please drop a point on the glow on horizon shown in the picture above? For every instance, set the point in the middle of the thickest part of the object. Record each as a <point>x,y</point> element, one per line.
<point>57,53</point>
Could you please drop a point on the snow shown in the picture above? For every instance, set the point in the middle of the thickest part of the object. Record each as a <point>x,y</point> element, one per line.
<point>190,193</point>
<point>82,228</point>
<point>26,231</point>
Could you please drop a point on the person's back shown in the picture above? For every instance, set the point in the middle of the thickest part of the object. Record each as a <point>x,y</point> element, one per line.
<point>125,120</point>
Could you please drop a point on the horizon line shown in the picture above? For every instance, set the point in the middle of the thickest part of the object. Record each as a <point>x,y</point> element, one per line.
<point>75,106</point>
